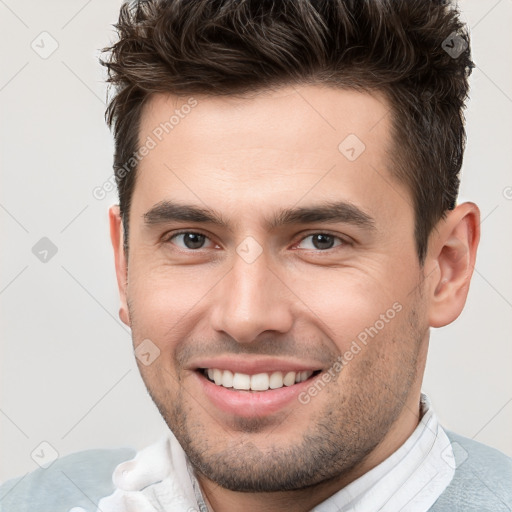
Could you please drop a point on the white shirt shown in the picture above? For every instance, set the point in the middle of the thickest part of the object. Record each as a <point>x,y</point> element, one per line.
<point>160,478</point>
<point>409,480</point>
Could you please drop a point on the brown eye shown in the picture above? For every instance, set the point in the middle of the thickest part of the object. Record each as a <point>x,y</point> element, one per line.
<point>190,240</point>
<point>322,241</point>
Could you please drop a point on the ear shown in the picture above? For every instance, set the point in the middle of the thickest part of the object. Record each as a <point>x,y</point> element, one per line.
<point>116,236</point>
<point>450,262</point>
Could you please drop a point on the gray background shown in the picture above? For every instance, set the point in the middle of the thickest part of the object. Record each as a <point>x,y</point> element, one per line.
<point>68,375</point>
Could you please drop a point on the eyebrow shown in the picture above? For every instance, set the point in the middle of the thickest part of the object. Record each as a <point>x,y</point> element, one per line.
<point>337,211</point>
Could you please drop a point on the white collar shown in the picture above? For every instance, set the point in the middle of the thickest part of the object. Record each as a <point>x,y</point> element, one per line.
<point>411,479</point>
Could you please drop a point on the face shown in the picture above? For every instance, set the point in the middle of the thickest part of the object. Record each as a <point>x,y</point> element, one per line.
<point>273,274</point>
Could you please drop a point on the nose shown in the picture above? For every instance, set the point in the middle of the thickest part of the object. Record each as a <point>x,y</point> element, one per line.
<point>251,299</point>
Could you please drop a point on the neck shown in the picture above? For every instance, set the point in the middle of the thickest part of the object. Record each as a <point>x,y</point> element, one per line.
<point>220,499</point>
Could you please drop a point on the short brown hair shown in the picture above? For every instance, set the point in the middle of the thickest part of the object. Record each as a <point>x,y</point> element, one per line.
<point>225,47</point>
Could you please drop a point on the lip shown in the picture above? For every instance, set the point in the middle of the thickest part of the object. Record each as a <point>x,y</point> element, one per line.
<point>251,404</point>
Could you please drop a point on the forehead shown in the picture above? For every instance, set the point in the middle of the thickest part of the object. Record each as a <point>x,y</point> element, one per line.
<point>283,119</point>
<point>294,144</point>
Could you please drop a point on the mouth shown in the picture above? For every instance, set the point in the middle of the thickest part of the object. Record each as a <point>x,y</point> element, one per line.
<point>258,382</point>
<point>249,387</point>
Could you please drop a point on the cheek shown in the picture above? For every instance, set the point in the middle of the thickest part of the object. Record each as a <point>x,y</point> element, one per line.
<point>165,300</point>
<point>347,303</point>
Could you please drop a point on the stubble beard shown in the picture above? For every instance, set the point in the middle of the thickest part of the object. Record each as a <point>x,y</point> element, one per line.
<point>353,421</point>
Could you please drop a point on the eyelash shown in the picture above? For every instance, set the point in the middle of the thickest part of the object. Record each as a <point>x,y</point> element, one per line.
<point>344,242</point>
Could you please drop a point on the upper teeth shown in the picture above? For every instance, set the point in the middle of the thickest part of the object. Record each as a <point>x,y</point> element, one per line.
<point>257,382</point>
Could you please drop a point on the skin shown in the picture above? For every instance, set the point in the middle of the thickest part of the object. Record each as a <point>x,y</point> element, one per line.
<point>248,157</point>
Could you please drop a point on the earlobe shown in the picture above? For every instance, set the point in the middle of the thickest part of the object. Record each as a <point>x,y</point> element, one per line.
<point>452,255</point>
<point>116,237</point>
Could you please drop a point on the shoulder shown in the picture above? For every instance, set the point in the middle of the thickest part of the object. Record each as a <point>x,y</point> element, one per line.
<point>482,479</point>
<point>479,455</point>
<point>80,479</point>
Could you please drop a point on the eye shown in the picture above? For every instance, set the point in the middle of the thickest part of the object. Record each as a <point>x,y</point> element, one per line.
<point>190,239</point>
<point>322,241</point>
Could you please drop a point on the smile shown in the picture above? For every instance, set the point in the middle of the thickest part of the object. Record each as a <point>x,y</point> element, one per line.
<point>257,382</point>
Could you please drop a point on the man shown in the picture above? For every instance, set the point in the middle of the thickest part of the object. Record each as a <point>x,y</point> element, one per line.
<point>286,236</point>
